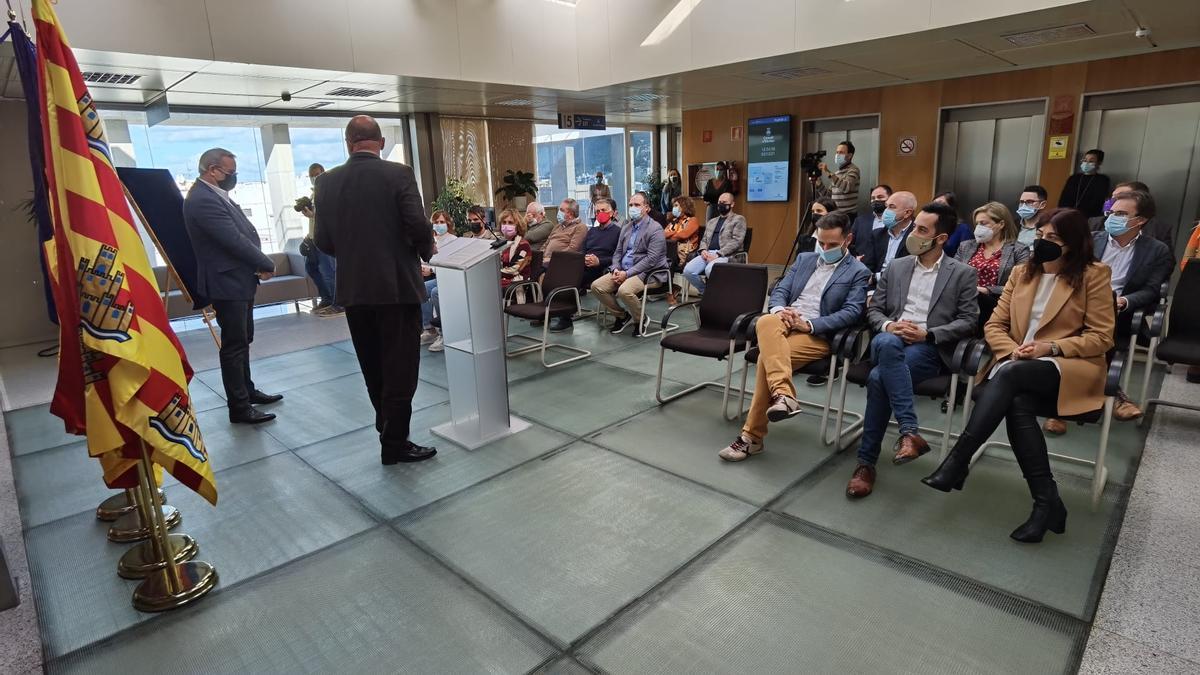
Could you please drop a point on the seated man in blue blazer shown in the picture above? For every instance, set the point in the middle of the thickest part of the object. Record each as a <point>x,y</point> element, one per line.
<point>229,265</point>
<point>823,292</point>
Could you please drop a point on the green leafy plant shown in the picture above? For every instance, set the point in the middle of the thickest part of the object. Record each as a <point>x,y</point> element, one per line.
<point>453,200</point>
<point>516,184</point>
<point>654,188</point>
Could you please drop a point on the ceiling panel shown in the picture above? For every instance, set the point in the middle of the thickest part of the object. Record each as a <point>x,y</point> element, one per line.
<point>150,78</point>
<point>305,103</point>
<point>217,100</point>
<point>122,95</point>
<point>919,53</point>
<point>213,83</point>
<point>324,91</point>
<point>146,61</point>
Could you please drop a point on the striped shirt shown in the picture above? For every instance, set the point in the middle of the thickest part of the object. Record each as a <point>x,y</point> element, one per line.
<point>844,188</point>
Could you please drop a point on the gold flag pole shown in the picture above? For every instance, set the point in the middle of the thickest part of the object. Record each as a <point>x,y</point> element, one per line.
<point>174,583</point>
<point>136,526</point>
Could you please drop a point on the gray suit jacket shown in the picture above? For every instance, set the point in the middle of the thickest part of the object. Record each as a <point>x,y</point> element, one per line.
<point>228,251</point>
<point>649,250</point>
<point>733,233</point>
<point>842,300</point>
<point>953,308</point>
<point>1011,255</point>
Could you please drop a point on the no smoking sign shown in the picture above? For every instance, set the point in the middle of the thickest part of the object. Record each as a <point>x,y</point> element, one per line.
<point>907,146</point>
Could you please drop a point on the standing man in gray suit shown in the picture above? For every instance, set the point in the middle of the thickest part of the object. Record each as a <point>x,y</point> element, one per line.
<point>723,236</point>
<point>229,265</point>
<point>924,304</point>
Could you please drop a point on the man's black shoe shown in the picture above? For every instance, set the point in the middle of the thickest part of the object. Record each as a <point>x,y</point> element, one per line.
<point>259,398</point>
<point>817,380</point>
<point>640,328</point>
<point>249,416</point>
<point>412,453</point>
<point>619,324</point>
<point>560,324</point>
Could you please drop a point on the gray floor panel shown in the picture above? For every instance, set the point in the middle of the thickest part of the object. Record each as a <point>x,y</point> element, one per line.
<point>231,445</point>
<point>34,428</point>
<point>563,666</point>
<point>697,432</point>
<point>967,532</point>
<point>352,460</point>
<point>772,599</point>
<point>371,605</point>
<point>205,397</point>
<point>677,367</point>
<point>582,399</point>
<point>57,483</point>
<point>288,371</point>
<point>569,539</point>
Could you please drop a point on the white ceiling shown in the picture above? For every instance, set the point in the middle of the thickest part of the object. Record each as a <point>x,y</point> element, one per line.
<point>964,50</point>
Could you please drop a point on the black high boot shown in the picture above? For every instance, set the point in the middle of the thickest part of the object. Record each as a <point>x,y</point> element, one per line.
<point>953,470</point>
<point>1049,513</point>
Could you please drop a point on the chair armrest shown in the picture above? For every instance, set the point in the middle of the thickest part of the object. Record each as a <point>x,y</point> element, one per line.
<point>740,330</point>
<point>1157,321</point>
<point>976,357</point>
<point>512,289</point>
<point>1112,384</point>
<point>854,342</point>
<point>671,310</point>
<point>1163,291</point>
<point>564,289</point>
<point>960,354</point>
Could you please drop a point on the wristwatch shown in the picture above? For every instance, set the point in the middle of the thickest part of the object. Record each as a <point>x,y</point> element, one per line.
<point>1054,349</point>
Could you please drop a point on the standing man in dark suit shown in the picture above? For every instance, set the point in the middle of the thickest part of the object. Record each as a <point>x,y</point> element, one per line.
<point>229,265</point>
<point>370,217</point>
<point>869,220</point>
<point>924,304</point>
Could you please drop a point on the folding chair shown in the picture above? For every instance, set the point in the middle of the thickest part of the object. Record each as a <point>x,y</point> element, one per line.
<point>1175,335</point>
<point>562,279</point>
<point>734,297</point>
<point>741,257</point>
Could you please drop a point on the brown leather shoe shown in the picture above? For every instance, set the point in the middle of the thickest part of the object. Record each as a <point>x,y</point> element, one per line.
<point>908,448</point>
<point>862,482</point>
<point>1055,427</point>
<point>1126,410</point>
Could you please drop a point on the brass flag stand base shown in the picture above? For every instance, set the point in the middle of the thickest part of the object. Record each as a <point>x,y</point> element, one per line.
<point>141,560</point>
<point>175,583</point>
<point>118,505</point>
<point>130,527</point>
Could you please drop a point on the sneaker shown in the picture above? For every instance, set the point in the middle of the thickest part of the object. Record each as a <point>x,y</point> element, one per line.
<point>1055,427</point>
<point>1126,410</point>
<point>330,312</point>
<point>429,335</point>
<point>741,448</point>
<point>322,305</point>
<point>820,380</point>
<point>619,324</point>
<point>782,408</point>
<point>641,327</point>
<point>437,345</point>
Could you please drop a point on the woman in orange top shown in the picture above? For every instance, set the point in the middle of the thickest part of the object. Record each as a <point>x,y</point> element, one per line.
<point>683,227</point>
<point>1049,335</point>
<point>1192,252</point>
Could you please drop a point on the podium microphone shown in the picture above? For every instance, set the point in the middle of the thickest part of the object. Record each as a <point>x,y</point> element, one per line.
<point>499,243</point>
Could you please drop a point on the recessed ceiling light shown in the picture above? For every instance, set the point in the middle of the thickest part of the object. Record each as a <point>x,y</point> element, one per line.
<point>795,73</point>
<point>353,92</point>
<point>519,102</point>
<point>645,97</point>
<point>110,78</point>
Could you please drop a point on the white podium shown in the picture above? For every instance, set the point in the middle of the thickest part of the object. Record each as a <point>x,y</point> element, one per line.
<point>468,274</point>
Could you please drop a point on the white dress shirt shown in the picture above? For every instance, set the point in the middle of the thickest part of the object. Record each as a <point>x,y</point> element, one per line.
<point>808,303</point>
<point>1119,258</point>
<point>1044,290</point>
<point>920,293</point>
<point>877,224</point>
<point>894,244</point>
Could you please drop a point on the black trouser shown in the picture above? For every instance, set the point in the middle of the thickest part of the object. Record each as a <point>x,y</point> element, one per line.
<point>387,340</point>
<point>236,319</point>
<point>1020,393</point>
<point>987,305</point>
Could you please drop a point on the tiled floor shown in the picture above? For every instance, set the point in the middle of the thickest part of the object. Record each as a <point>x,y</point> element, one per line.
<point>608,536</point>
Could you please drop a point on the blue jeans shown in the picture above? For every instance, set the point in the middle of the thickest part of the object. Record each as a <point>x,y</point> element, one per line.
<point>327,265</point>
<point>312,265</point>
<point>890,388</point>
<point>430,303</point>
<point>697,266</point>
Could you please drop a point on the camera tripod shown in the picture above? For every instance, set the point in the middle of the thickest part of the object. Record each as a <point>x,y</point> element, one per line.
<point>804,228</point>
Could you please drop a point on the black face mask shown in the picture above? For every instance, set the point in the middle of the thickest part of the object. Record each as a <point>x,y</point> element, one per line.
<point>723,209</point>
<point>475,227</point>
<point>1045,251</point>
<point>228,182</point>
<point>878,207</point>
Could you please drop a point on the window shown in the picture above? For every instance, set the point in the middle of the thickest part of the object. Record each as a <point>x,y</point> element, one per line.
<point>641,158</point>
<point>316,145</point>
<point>567,163</point>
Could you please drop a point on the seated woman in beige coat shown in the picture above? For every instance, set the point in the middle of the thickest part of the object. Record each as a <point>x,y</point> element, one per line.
<point>1049,335</point>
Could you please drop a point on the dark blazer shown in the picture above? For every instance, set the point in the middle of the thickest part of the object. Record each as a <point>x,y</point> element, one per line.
<point>649,251</point>
<point>863,229</point>
<point>843,300</point>
<point>873,259</point>
<point>953,309</point>
<point>1011,255</point>
<point>1158,229</point>
<point>1086,193</point>
<point>1151,266</point>
<point>370,217</point>
<point>963,232</point>
<point>228,251</point>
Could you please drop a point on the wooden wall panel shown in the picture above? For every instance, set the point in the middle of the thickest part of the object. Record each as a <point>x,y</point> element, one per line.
<point>1179,66</point>
<point>910,110</point>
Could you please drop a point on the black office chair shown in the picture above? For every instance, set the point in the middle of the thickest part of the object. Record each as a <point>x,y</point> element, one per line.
<point>561,287</point>
<point>741,256</point>
<point>1175,334</point>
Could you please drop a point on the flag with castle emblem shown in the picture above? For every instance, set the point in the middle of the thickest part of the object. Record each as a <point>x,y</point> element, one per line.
<point>123,376</point>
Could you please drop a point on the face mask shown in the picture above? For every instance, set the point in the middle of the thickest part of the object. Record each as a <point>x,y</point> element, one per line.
<point>839,160</point>
<point>724,209</point>
<point>562,217</point>
<point>889,218</point>
<point>676,212</point>
<point>916,245</point>
<point>440,228</point>
<point>817,216</point>
<point>832,255</point>
<point>878,207</point>
<point>508,231</point>
<point>603,217</point>
<point>1087,167</point>
<point>674,179</point>
<point>1108,204</point>
<point>635,213</point>
<point>1045,251</point>
<point>1026,212</point>
<point>228,182</point>
<point>1116,225</point>
<point>984,234</point>
<point>475,226</point>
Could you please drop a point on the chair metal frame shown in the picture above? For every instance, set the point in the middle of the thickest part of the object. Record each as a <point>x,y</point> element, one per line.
<point>601,311</point>
<point>543,344</point>
<point>737,343</point>
<point>1160,329</point>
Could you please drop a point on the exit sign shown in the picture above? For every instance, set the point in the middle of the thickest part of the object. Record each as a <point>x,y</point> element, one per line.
<point>581,122</point>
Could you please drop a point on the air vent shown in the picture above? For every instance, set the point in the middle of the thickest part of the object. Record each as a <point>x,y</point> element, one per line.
<point>110,78</point>
<point>523,102</point>
<point>351,92</point>
<point>1034,38</point>
<point>795,73</point>
<point>318,104</point>
<point>645,97</point>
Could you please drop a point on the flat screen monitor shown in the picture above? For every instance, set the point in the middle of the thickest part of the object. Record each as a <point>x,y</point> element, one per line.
<point>768,165</point>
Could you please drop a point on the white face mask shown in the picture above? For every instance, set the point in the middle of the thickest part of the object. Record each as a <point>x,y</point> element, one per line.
<point>983,233</point>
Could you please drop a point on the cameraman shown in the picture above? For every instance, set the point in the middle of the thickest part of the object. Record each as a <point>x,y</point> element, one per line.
<point>321,266</point>
<point>844,181</point>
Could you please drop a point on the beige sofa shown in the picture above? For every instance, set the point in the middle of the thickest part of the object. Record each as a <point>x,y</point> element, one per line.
<point>290,284</point>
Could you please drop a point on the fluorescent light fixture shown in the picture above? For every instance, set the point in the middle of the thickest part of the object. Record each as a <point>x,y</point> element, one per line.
<point>670,22</point>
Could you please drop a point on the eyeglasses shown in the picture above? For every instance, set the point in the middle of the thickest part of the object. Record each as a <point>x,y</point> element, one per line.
<point>1122,214</point>
<point>1029,202</point>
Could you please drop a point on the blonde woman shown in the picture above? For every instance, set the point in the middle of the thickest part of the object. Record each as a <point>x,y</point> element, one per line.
<point>993,252</point>
<point>516,256</point>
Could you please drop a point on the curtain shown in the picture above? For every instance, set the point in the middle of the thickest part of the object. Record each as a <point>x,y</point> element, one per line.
<point>510,146</point>
<point>465,155</point>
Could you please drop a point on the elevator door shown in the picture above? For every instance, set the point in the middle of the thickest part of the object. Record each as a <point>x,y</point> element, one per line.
<point>1154,137</point>
<point>863,132</point>
<point>988,153</point>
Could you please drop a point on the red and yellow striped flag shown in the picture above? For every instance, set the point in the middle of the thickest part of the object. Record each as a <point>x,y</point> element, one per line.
<point>123,376</point>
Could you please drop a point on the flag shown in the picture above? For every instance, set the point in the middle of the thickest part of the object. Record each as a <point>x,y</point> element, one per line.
<point>26,58</point>
<point>123,376</point>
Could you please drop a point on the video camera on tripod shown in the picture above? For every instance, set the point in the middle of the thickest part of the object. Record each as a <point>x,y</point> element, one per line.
<point>810,164</point>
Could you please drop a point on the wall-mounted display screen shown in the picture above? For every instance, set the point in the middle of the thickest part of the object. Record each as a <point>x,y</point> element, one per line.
<point>768,165</point>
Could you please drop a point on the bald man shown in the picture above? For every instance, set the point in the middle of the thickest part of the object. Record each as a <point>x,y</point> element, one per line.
<point>370,217</point>
<point>887,243</point>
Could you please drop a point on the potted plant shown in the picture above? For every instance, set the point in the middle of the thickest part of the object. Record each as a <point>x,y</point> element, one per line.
<point>453,200</point>
<point>516,187</point>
